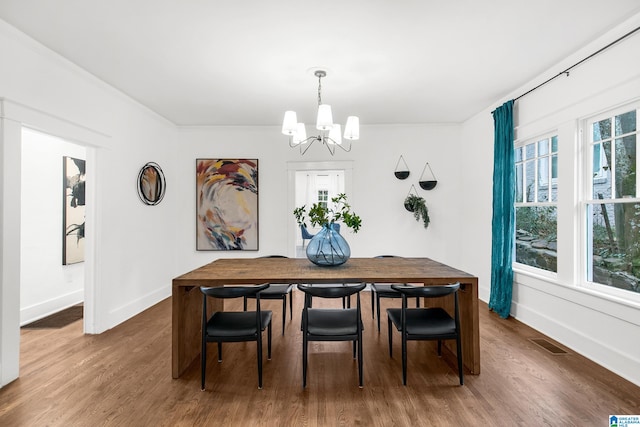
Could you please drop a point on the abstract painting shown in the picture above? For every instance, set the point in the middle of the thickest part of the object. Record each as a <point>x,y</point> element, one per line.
<point>73,172</point>
<point>227,204</point>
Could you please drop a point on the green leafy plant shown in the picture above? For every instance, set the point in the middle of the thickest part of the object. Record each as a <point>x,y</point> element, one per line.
<point>417,206</point>
<point>319,214</point>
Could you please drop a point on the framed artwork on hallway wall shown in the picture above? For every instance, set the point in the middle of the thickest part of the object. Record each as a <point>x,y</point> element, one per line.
<point>151,184</point>
<point>226,204</point>
<point>73,174</point>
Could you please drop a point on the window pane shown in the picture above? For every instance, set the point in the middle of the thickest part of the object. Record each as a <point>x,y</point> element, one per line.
<point>602,178</point>
<point>554,144</point>
<point>615,245</point>
<point>530,151</point>
<point>554,177</point>
<point>519,183</point>
<point>518,154</point>
<point>596,158</point>
<point>625,172</point>
<point>626,123</point>
<point>602,130</point>
<point>543,147</point>
<point>530,178</point>
<point>536,231</point>
<point>543,179</point>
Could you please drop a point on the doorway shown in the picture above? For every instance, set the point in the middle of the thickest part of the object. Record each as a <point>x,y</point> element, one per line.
<point>51,282</point>
<point>313,182</point>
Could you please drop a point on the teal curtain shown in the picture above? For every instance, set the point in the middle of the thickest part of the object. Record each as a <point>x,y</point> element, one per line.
<point>503,222</point>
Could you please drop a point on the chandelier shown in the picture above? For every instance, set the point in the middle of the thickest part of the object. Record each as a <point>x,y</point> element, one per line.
<point>330,133</point>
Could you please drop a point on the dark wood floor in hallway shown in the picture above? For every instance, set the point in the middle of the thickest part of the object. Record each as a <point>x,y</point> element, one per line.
<point>123,378</point>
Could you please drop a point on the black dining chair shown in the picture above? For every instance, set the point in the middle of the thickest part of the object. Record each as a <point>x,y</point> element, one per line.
<point>277,291</point>
<point>331,324</point>
<point>429,323</point>
<point>384,290</point>
<point>234,326</point>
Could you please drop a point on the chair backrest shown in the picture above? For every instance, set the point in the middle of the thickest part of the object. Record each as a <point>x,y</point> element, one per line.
<point>305,232</point>
<point>337,291</point>
<point>427,291</point>
<point>274,256</point>
<point>233,291</point>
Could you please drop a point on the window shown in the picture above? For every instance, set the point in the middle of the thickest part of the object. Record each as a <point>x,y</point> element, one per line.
<point>612,204</point>
<point>323,198</point>
<point>536,163</point>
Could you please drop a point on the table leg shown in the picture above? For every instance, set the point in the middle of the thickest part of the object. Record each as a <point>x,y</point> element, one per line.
<point>186,326</point>
<point>469,327</point>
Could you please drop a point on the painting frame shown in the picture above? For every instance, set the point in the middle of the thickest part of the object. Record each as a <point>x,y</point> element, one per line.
<point>73,210</point>
<point>227,204</point>
<point>151,184</point>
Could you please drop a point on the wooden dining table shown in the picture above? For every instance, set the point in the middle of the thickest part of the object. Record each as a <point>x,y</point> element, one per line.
<point>187,298</point>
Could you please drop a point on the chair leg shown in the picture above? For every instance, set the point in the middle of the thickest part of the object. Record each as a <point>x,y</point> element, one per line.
<point>284,311</point>
<point>373,302</point>
<point>291,306</point>
<point>305,343</point>
<point>459,350</point>
<point>219,351</point>
<point>259,351</point>
<point>417,302</point>
<point>390,338</point>
<point>404,359</point>
<point>378,309</point>
<point>360,374</point>
<point>269,334</point>
<point>245,303</point>
<point>203,364</point>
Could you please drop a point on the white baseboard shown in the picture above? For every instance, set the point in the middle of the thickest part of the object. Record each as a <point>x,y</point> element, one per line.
<point>53,305</point>
<point>121,314</point>
<point>590,347</point>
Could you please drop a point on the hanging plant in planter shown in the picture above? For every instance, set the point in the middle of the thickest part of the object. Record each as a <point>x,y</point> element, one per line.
<point>416,204</point>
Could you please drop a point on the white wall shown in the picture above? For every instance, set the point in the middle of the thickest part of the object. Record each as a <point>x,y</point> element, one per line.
<point>46,286</point>
<point>601,327</point>
<point>376,195</point>
<point>130,249</point>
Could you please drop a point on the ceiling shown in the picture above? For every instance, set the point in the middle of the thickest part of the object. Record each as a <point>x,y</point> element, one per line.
<point>244,62</point>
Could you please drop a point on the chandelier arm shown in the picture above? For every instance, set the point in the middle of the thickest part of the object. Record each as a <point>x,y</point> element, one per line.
<point>335,144</point>
<point>345,149</point>
<point>331,149</point>
<point>292,145</point>
<point>312,139</point>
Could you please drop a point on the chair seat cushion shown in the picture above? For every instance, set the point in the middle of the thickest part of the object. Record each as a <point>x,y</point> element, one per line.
<point>424,321</point>
<point>230,324</point>
<point>333,322</point>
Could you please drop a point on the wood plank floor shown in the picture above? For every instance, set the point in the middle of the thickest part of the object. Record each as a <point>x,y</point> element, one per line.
<point>123,378</point>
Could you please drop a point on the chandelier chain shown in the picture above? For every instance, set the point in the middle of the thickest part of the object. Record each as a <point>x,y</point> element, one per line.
<point>319,89</point>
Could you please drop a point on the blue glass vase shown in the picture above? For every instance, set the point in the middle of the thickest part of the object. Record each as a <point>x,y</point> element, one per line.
<point>328,248</point>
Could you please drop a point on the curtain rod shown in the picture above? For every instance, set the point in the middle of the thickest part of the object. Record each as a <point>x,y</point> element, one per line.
<point>566,72</point>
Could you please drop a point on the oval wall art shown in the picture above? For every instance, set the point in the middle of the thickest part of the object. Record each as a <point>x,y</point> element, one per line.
<point>151,184</point>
